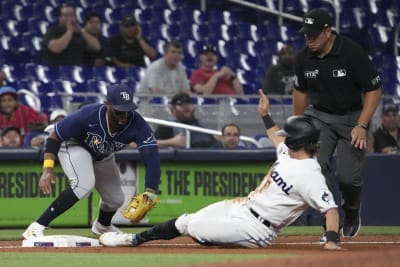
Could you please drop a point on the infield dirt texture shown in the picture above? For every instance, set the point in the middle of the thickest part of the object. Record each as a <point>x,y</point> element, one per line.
<point>365,251</point>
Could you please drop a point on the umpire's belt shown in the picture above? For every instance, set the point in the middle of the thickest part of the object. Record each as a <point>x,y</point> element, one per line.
<point>261,219</point>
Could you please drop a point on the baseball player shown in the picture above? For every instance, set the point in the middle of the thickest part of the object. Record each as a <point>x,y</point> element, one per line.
<point>293,183</point>
<point>85,142</point>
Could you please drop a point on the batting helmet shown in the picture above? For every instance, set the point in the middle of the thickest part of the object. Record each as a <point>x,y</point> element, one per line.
<point>299,131</point>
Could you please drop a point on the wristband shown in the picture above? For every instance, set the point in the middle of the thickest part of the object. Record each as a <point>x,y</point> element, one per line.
<point>332,236</point>
<point>268,122</point>
<point>365,127</point>
<point>48,163</point>
<point>52,146</point>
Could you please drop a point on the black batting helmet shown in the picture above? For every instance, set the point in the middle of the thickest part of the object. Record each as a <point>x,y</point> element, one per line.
<point>299,131</point>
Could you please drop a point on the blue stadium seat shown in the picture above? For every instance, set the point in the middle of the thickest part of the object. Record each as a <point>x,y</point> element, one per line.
<point>23,12</point>
<point>38,26</point>
<point>114,15</point>
<point>96,86</point>
<point>173,16</point>
<point>77,74</point>
<point>109,74</point>
<point>33,45</point>
<point>14,72</point>
<point>39,72</point>
<point>109,30</point>
<point>123,4</point>
<point>14,27</point>
<point>45,12</point>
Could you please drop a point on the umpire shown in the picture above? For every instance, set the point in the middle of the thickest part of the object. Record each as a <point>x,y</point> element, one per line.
<point>338,86</point>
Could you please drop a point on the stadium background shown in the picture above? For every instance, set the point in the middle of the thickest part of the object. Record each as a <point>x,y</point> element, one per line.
<point>247,38</point>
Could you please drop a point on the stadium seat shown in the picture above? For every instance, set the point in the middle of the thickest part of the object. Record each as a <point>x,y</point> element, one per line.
<point>14,72</point>
<point>14,28</point>
<point>33,45</point>
<point>113,15</point>
<point>45,12</point>
<point>108,74</point>
<point>172,16</point>
<point>96,86</point>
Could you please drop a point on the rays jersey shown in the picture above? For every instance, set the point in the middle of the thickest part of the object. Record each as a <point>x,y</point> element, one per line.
<point>87,127</point>
<point>290,187</point>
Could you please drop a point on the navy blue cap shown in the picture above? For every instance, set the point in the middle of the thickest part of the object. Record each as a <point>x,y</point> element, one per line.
<point>120,97</point>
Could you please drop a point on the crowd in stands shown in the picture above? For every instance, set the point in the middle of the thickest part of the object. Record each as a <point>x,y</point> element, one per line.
<point>129,48</point>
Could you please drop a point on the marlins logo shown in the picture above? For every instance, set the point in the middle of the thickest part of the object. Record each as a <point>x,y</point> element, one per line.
<point>326,197</point>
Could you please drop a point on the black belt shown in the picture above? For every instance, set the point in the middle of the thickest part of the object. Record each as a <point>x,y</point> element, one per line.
<point>336,112</point>
<point>261,219</point>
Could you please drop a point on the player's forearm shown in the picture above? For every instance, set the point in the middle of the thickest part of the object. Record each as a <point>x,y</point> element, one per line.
<point>371,102</point>
<point>300,101</point>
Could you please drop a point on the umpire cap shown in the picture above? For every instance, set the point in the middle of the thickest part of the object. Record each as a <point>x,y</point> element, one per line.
<point>315,21</point>
<point>299,131</point>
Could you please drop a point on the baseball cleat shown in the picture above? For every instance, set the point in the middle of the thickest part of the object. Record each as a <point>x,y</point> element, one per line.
<point>323,239</point>
<point>98,228</point>
<point>33,230</point>
<point>352,224</point>
<point>113,239</point>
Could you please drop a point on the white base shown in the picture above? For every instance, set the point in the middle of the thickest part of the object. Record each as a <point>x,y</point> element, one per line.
<point>61,241</point>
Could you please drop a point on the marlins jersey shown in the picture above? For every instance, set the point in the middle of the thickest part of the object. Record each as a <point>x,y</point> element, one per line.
<point>289,188</point>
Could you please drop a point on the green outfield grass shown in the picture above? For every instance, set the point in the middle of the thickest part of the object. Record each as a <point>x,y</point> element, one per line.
<point>8,259</point>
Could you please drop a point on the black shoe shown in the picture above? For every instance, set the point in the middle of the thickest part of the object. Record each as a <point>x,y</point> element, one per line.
<point>352,223</point>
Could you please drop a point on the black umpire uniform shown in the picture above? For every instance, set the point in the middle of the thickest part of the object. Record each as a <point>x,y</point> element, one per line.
<point>335,82</point>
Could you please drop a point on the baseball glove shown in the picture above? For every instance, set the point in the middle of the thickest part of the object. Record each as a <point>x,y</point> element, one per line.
<point>139,206</point>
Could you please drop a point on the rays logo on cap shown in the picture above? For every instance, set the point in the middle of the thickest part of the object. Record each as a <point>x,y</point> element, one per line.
<point>126,96</point>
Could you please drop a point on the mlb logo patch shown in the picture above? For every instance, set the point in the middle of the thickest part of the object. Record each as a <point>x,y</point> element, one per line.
<point>309,21</point>
<point>339,73</point>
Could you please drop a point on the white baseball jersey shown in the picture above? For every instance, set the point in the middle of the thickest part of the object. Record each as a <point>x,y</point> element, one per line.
<point>289,188</point>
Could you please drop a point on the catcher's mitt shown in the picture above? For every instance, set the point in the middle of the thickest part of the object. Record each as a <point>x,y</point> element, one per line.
<point>139,206</point>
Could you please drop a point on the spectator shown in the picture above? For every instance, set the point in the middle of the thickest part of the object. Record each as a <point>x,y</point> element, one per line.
<point>18,115</point>
<point>183,112</point>
<point>279,78</point>
<point>209,80</point>
<point>37,139</point>
<point>336,76</point>
<point>65,43</point>
<point>387,137</point>
<point>166,75</point>
<point>230,137</point>
<point>10,137</point>
<point>92,25</point>
<point>3,78</point>
<point>129,47</point>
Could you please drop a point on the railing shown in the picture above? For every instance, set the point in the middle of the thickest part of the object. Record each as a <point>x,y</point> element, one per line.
<point>281,14</point>
<point>189,128</point>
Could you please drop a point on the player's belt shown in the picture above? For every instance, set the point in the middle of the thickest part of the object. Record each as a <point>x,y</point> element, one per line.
<point>261,219</point>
